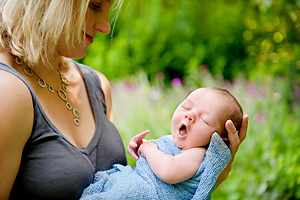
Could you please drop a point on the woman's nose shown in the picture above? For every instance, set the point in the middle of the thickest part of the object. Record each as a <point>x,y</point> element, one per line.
<point>190,116</point>
<point>103,27</point>
<point>102,23</point>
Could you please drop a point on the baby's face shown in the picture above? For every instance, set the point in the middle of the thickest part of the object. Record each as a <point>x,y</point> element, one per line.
<point>202,113</point>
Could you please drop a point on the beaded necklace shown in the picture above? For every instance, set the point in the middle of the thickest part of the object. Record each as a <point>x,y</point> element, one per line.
<point>62,93</point>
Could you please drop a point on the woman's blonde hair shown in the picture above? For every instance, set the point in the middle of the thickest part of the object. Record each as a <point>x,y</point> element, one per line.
<point>31,29</point>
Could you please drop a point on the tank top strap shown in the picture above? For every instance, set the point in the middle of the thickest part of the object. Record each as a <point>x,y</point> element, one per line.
<point>92,82</point>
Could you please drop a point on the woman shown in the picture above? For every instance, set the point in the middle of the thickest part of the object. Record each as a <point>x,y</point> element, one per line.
<point>55,119</point>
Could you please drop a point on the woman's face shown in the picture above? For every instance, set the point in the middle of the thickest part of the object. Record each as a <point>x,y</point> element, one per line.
<point>97,20</point>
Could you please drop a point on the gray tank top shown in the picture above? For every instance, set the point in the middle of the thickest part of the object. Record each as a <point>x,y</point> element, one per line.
<point>51,166</point>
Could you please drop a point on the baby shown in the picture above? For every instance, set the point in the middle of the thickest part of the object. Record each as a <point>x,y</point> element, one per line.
<point>184,165</point>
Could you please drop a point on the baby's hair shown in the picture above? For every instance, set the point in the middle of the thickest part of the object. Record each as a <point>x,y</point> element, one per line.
<point>236,113</point>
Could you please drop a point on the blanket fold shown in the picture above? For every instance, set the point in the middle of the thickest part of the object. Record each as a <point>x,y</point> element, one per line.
<point>125,182</point>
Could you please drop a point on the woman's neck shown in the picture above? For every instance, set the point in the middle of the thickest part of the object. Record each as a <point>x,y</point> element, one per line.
<point>47,70</point>
<point>6,58</point>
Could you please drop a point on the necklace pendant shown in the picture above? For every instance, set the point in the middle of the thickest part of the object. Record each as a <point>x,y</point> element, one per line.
<point>19,61</point>
<point>68,105</point>
<point>76,121</point>
<point>50,88</point>
<point>28,71</point>
<point>64,88</point>
<point>41,83</point>
<point>76,115</point>
<point>65,80</point>
<point>62,95</point>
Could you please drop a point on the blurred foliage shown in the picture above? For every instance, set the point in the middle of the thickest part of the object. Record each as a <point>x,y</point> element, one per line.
<point>230,37</point>
<point>267,164</point>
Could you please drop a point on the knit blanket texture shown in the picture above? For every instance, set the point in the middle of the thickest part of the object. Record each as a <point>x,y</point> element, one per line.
<point>125,182</point>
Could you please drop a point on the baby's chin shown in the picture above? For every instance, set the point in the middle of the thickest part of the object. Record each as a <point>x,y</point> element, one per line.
<point>179,143</point>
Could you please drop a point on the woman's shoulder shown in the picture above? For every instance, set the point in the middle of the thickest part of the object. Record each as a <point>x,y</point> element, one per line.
<point>16,103</point>
<point>104,82</point>
<point>11,85</point>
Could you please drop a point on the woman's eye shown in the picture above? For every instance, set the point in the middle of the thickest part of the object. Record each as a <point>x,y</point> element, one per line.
<point>95,6</point>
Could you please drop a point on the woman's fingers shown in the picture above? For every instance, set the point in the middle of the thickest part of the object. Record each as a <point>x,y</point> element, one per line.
<point>234,143</point>
<point>234,138</point>
<point>244,128</point>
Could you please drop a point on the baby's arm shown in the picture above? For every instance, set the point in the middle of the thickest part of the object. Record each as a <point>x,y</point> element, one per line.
<point>172,169</point>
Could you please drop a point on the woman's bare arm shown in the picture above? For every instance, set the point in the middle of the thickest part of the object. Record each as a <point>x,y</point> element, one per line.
<point>16,121</point>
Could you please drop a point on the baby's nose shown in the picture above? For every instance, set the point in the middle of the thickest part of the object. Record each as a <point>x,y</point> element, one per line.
<point>190,116</point>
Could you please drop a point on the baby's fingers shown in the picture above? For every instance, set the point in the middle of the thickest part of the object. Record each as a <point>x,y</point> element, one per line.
<point>139,137</point>
<point>132,149</point>
<point>135,143</point>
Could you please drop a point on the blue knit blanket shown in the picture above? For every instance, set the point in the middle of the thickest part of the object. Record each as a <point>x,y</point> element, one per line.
<point>125,182</point>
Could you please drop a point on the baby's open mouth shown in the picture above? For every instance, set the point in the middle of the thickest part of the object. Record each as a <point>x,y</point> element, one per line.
<point>182,130</point>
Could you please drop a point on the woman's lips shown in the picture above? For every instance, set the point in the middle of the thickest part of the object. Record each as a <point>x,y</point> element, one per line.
<point>89,38</point>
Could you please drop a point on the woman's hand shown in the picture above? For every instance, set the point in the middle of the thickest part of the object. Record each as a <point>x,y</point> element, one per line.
<point>234,142</point>
<point>135,144</point>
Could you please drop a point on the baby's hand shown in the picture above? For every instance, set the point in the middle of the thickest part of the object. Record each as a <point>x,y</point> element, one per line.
<point>146,146</point>
<point>135,143</point>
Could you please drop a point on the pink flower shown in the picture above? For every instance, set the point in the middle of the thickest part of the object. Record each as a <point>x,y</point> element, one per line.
<point>257,118</point>
<point>176,82</point>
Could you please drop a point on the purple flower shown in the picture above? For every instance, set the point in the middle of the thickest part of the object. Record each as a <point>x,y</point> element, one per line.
<point>176,82</point>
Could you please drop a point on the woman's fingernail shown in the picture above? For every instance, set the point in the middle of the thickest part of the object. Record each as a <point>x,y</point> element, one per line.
<point>231,125</point>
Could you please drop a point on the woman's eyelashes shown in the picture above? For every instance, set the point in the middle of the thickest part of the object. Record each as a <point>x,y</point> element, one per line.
<point>96,6</point>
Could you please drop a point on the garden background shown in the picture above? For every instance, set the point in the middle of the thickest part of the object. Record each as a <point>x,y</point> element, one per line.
<point>159,51</point>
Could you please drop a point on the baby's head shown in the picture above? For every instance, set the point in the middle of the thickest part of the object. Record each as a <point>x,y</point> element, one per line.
<point>235,112</point>
<point>202,113</point>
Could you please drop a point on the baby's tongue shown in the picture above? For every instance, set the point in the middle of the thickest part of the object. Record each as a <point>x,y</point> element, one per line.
<point>182,131</point>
